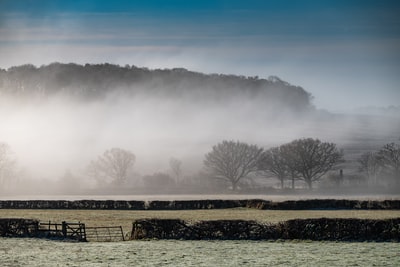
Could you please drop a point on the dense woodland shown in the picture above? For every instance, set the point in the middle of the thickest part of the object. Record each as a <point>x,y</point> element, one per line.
<point>97,81</point>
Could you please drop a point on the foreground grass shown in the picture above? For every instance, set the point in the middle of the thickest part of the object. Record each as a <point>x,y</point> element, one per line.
<point>42,252</point>
<point>125,218</point>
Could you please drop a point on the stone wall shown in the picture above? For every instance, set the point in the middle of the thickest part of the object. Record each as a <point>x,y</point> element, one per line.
<point>18,227</point>
<point>341,229</point>
<point>76,204</point>
<point>302,229</point>
<point>200,204</point>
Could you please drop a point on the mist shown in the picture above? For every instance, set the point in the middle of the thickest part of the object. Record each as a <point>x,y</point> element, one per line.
<point>57,132</point>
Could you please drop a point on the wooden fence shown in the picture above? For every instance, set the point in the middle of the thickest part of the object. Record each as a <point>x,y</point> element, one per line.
<point>20,227</point>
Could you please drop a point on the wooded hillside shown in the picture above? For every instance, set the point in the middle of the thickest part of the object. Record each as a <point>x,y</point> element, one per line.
<point>96,81</point>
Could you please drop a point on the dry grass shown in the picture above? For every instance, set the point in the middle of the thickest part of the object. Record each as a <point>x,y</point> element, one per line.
<point>125,218</point>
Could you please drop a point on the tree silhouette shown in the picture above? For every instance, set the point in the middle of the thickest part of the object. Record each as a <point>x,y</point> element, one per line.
<point>113,165</point>
<point>390,159</point>
<point>274,161</point>
<point>232,161</point>
<point>371,164</point>
<point>312,159</point>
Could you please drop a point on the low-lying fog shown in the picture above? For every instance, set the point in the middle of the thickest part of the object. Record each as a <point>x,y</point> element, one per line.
<point>53,135</point>
<point>58,134</point>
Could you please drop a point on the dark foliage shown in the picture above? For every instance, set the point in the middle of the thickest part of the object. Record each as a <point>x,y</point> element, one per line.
<point>96,81</point>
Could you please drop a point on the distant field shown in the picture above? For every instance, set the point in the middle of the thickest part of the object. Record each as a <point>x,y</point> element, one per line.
<point>125,218</point>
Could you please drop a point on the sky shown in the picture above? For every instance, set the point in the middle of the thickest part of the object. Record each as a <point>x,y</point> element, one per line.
<point>346,53</point>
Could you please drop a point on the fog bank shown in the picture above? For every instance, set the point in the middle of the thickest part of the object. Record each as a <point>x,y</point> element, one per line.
<point>58,118</point>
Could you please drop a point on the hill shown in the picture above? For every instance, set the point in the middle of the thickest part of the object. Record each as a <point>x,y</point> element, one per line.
<point>97,81</point>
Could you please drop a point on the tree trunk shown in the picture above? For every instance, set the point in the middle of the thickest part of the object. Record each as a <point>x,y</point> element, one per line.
<point>309,183</point>
<point>234,186</point>
<point>293,182</point>
<point>282,183</point>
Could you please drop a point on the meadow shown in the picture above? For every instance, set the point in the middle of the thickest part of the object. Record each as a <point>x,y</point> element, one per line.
<point>40,252</point>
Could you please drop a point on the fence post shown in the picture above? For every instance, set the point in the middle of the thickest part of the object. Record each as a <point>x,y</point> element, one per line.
<point>64,229</point>
<point>82,227</point>
<point>122,233</point>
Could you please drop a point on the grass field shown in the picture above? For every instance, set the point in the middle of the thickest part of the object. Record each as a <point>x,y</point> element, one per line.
<point>42,252</point>
<point>16,252</point>
<point>125,218</point>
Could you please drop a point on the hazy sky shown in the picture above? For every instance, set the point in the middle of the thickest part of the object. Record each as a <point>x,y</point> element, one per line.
<point>346,53</point>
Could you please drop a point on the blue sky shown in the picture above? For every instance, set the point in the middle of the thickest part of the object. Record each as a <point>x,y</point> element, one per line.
<point>346,53</point>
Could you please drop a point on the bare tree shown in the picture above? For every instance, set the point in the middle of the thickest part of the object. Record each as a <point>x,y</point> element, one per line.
<point>371,164</point>
<point>233,161</point>
<point>273,161</point>
<point>113,165</point>
<point>176,168</point>
<point>390,159</point>
<point>7,164</point>
<point>289,154</point>
<point>312,158</point>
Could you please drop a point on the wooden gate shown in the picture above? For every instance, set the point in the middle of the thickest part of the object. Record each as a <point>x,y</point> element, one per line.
<point>105,233</point>
<point>76,231</point>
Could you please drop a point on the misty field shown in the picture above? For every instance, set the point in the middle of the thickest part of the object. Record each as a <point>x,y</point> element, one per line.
<point>125,218</point>
<point>40,252</point>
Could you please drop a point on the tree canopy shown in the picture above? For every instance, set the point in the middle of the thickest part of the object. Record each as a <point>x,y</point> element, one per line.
<point>274,161</point>
<point>232,161</point>
<point>112,166</point>
<point>312,158</point>
<point>390,159</point>
<point>371,164</point>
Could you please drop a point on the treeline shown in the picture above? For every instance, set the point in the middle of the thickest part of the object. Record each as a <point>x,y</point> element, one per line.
<point>233,163</point>
<point>304,159</point>
<point>307,160</point>
<point>98,80</point>
<point>230,165</point>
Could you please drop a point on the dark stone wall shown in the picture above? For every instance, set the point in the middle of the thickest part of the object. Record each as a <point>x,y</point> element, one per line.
<point>311,204</point>
<point>18,227</point>
<point>76,204</point>
<point>341,229</point>
<point>198,204</point>
<point>302,229</point>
